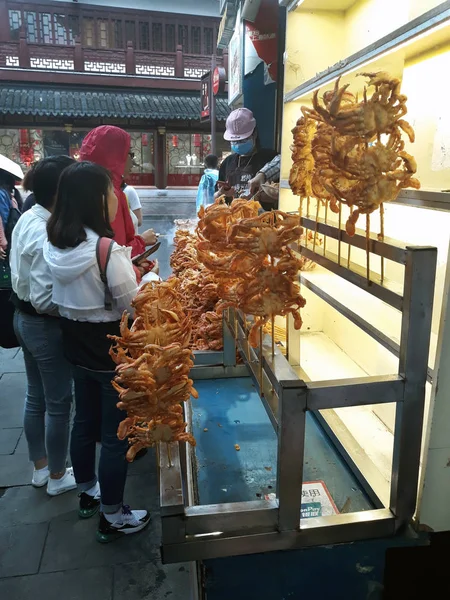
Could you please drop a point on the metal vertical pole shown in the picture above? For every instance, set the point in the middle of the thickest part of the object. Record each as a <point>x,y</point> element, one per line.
<point>420,271</point>
<point>212,103</point>
<point>291,446</point>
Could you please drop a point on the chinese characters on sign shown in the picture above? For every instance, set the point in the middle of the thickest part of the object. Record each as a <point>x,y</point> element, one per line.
<point>205,92</point>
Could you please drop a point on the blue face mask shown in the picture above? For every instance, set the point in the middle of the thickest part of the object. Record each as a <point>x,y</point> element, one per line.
<point>243,147</point>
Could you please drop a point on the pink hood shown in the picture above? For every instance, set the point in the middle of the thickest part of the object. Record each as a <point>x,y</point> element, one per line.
<point>109,146</point>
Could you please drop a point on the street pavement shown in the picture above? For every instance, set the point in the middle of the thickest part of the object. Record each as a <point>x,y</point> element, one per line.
<point>46,550</point>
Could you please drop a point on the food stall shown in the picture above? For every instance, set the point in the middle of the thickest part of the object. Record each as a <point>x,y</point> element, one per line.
<point>320,435</point>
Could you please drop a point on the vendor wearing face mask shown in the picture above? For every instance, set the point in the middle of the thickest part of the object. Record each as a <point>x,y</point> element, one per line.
<point>247,158</point>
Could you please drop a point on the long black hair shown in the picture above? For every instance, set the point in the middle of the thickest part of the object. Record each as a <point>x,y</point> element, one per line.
<point>45,177</point>
<point>81,202</point>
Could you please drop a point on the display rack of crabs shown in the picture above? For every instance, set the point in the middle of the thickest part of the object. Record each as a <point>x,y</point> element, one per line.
<point>252,263</point>
<point>339,156</point>
<point>153,364</point>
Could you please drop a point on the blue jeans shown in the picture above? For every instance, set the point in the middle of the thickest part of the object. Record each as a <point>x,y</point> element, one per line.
<point>97,418</point>
<point>49,389</point>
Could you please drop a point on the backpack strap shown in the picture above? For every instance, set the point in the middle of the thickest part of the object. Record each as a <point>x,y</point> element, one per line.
<point>103,253</point>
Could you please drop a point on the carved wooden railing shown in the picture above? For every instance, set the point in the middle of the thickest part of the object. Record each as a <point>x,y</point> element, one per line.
<point>22,55</point>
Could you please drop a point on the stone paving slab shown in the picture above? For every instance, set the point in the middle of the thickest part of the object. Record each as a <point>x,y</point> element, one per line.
<point>86,584</point>
<point>12,398</point>
<point>25,505</point>
<point>72,545</point>
<point>151,580</point>
<point>15,470</point>
<point>21,549</point>
<point>9,438</point>
<point>11,361</point>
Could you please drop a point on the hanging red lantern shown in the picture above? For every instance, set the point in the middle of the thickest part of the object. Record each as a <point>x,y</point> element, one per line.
<point>175,141</point>
<point>144,139</point>
<point>197,140</point>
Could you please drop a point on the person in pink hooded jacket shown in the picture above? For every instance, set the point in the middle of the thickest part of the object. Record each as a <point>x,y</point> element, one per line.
<point>109,147</point>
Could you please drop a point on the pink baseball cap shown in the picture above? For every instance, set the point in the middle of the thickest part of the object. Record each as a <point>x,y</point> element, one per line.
<point>240,125</point>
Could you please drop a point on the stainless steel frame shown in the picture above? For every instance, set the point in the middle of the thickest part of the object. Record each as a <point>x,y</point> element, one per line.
<point>198,532</point>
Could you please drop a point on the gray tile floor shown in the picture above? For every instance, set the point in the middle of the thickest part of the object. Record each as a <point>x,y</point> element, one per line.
<point>46,551</point>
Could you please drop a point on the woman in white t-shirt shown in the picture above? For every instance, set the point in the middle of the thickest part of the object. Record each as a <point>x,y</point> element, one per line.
<point>135,206</point>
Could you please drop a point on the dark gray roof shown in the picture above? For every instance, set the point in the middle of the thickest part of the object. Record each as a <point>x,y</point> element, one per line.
<point>151,104</point>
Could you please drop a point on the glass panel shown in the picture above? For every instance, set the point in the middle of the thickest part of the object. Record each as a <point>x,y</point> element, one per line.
<point>102,33</point>
<point>143,170</point>
<point>183,37</point>
<point>117,33</point>
<point>196,40</point>
<point>30,19</point>
<point>170,38</point>
<point>73,28</point>
<point>60,29</point>
<point>208,36</point>
<point>88,31</point>
<point>130,32</point>
<point>157,37</point>
<point>144,35</point>
<point>45,21</point>
<point>15,23</point>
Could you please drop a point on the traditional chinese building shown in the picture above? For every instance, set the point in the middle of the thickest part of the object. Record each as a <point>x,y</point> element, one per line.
<point>66,67</point>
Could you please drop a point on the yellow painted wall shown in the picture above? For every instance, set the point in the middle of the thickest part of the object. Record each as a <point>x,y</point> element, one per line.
<point>418,7</point>
<point>314,41</point>
<point>369,20</point>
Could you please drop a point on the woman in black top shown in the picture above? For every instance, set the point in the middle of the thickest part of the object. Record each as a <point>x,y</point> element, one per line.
<point>247,157</point>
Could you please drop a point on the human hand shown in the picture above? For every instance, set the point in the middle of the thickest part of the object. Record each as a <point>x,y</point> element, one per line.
<point>2,254</point>
<point>225,190</point>
<point>149,237</point>
<point>155,268</point>
<point>256,182</point>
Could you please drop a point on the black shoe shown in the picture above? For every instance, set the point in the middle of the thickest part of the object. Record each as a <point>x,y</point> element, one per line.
<point>140,454</point>
<point>88,506</point>
<point>130,521</point>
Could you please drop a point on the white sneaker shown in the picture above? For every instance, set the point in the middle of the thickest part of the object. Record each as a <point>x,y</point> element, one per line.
<point>60,486</point>
<point>40,477</point>
<point>126,521</point>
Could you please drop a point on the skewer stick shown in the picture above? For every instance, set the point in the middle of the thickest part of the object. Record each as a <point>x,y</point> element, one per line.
<point>382,239</point>
<point>307,214</point>
<point>273,319</point>
<point>169,454</point>
<point>317,224</point>
<point>287,336</point>
<point>368,247</point>
<point>349,245</point>
<point>261,392</point>
<point>326,221</point>
<point>339,241</point>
